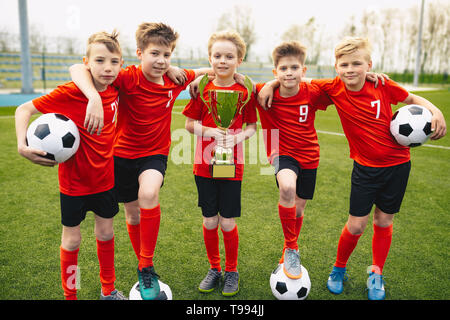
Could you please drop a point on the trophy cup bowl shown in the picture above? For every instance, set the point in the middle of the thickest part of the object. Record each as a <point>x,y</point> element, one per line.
<point>225,106</point>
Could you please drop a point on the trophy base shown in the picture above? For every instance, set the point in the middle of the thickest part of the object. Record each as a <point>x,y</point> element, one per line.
<point>223,170</point>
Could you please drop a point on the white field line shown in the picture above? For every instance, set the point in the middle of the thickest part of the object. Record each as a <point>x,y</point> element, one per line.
<point>319,131</point>
<point>343,135</point>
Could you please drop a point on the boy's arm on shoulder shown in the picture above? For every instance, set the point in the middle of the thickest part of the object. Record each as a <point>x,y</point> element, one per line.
<point>22,118</point>
<point>177,75</point>
<point>94,109</point>
<point>202,71</point>
<point>438,125</point>
<point>265,95</point>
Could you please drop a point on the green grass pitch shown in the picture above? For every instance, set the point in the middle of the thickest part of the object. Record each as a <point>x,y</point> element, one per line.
<point>418,264</point>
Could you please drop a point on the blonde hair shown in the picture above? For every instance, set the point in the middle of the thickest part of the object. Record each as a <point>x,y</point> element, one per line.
<point>289,49</point>
<point>350,44</point>
<point>231,36</point>
<point>156,33</point>
<point>110,40</point>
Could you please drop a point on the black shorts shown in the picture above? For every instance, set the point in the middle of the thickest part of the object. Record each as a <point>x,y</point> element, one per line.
<point>218,196</point>
<point>74,208</point>
<point>384,187</point>
<point>306,178</point>
<point>127,171</point>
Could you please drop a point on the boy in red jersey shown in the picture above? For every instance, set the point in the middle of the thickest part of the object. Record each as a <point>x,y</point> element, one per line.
<point>222,196</point>
<point>92,164</point>
<point>381,166</point>
<point>295,154</point>
<point>143,139</point>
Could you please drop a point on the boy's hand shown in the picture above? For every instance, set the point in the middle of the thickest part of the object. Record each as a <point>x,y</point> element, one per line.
<point>215,133</point>
<point>36,156</point>
<point>438,125</point>
<point>230,140</point>
<point>375,77</point>
<point>193,87</point>
<point>265,96</point>
<point>177,75</point>
<point>240,78</point>
<point>94,116</point>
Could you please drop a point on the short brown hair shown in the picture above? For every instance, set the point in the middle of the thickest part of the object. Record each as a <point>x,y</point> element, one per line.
<point>288,49</point>
<point>231,36</point>
<point>110,40</point>
<point>350,44</point>
<point>156,33</point>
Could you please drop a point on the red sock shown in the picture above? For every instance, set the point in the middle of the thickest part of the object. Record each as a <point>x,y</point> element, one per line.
<point>298,225</point>
<point>69,263</point>
<point>231,241</point>
<point>150,220</point>
<point>211,238</point>
<point>105,254</point>
<point>381,242</point>
<point>134,231</point>
<point>288,223</point>
<point>346,245</point>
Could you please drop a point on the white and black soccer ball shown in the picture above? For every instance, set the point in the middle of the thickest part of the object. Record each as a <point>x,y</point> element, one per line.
<point>164,294</point>
<point>411,125</point>
<point>55,134</point>
<point>284,288</point>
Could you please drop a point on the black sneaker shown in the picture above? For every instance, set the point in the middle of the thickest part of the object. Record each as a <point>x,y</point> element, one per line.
<point>231,286</point>
<point>210,282</point>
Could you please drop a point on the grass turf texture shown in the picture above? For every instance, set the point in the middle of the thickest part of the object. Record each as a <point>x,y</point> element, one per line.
<point>417,266</point>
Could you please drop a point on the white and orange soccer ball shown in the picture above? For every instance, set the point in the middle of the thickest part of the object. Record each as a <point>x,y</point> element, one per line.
<point>55,134</point>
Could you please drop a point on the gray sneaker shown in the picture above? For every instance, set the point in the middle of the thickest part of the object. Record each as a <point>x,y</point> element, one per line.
<point>292,266</point>
<point>210,282</point>
<point>231,286</point>
<point>115,295</point>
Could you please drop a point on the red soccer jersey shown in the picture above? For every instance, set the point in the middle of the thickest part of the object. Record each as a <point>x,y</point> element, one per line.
<point>91,169</point>
<point>197,110</point>
<point>289,125</point>
<point>366,117</point>
<point>145,113</point>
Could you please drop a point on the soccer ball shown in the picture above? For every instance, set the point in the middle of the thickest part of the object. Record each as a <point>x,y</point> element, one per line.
<point>55,134</point>
<point>284,288</point>
<point>411,125</point>
<point>164,294</point>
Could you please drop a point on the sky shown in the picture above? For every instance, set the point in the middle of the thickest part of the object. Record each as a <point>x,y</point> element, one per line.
<point>194,20</point>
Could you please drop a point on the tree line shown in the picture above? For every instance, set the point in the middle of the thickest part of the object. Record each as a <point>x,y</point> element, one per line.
<point>392,33</point>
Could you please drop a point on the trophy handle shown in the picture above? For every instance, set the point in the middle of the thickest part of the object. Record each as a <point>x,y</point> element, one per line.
<point>201,88</point>
<point>248,83</point>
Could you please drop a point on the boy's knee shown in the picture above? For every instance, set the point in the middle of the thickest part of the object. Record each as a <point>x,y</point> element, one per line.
<point>211,222</point>
<point>227,224</point>
<point>104,234</point>
<point>71,243</point>
<point>287,191</point>
<point>148,196</point>
<point>356,228</point>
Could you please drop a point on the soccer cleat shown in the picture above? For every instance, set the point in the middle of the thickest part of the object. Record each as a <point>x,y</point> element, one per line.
<point>210,282</point>
<point>115,295</point>
<point>375,286</point>
<point>336,280</point>
<point>231,283</point>
<point>292,266</point>
<point>148,283</point>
